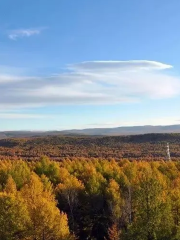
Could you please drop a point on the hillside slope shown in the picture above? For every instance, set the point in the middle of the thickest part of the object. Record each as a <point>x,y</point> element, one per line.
<point>135,147</point>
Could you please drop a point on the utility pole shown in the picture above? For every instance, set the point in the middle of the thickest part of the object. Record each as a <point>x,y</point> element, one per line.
<point>168,155</point>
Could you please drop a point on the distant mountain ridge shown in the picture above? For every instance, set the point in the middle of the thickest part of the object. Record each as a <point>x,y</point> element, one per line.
<point>118,131</point>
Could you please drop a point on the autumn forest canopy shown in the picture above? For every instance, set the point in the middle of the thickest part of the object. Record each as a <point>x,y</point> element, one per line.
<point>89,199</point>
<point>147,147</point>
<point>113,188</point>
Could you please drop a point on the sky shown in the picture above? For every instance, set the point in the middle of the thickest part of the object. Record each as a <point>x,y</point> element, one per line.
<point>68,64</point>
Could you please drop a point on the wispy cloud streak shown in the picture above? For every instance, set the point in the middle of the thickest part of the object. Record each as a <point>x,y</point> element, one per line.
<point>110,82</point>
<point>22,116</point>
<point>21,33</point>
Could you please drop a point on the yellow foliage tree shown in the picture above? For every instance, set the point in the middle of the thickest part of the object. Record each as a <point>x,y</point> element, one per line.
<point>14,217</point>
<point>47,223</point>
<point>70,190</point>
<point>10,186</point>
<point>115,201</point>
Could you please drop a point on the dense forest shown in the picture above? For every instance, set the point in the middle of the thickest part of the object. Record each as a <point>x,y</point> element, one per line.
<point>138,147</point>
<point>89,199</point>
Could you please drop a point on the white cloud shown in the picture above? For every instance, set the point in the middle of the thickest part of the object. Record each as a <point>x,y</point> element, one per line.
<point>119,65</point>
<point>107,82</point>
<point>22,116</point>
<point>20,33</point>
<point>163,121</point>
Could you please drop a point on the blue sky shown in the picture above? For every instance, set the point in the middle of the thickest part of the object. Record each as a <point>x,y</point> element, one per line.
<point>89,63</point>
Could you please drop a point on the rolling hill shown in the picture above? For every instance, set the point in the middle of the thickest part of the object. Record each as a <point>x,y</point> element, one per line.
<point>134,130</point>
